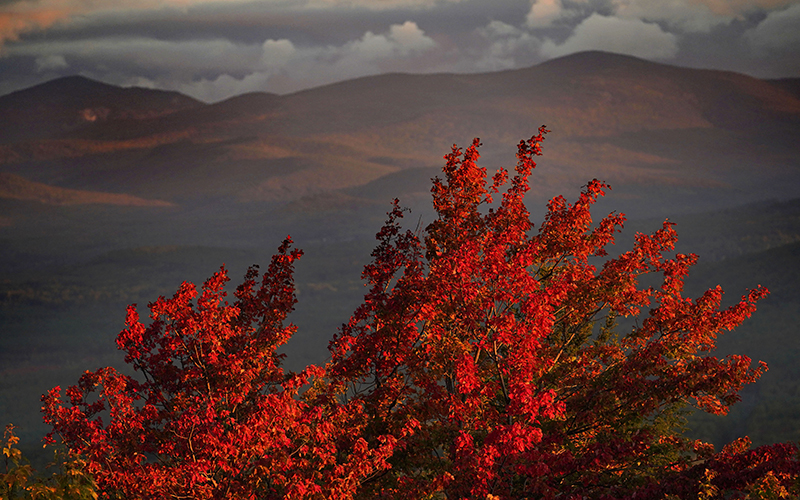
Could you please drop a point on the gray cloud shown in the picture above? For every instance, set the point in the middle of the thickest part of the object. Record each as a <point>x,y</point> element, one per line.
<point>612,34</point>
<point>50,62</point>
<point>545,13</point>
<point>184,58</point>
<point>694,15</point>
<point>775,43</point>
<point>215,49</point>
<point>278,65</point>
<point>508,47</point>
<point>778,31</point>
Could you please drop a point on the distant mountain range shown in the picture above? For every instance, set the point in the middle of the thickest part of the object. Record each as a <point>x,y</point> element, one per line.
<point>669,138</point>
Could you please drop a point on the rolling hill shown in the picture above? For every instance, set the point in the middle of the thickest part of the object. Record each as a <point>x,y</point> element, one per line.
<point>15,187</point>
<point>651,130</point>
<point>60,107</point>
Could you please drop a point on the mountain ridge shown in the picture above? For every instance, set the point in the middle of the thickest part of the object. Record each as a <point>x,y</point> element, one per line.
<point>15,187</point>
<point>635,122</point>
<point>59,107</point>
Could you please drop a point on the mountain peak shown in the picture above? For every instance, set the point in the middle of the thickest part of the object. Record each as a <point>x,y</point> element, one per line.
<point>593,61</point>
<point>70,84</point>
<point>64,105</point>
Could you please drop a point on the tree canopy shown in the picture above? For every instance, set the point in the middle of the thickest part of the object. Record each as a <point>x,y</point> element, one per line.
<point>489,359</point>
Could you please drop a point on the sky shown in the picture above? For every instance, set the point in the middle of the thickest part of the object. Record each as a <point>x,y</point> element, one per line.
<point>215,49</point>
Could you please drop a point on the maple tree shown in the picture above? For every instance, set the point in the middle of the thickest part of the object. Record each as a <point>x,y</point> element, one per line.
<point>487,360</point>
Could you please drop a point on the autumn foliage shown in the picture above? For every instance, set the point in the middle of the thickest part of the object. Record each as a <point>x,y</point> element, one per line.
<point>489,359</point>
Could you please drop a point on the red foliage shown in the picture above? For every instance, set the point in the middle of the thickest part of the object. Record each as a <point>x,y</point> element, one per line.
<point>485,362</point>
<point>216,416</point>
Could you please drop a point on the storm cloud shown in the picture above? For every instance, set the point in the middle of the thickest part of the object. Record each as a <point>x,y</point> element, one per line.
<point>214,49</point>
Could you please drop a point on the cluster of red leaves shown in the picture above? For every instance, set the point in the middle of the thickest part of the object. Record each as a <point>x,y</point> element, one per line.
<point>216,416</point>
<point>485,362</point>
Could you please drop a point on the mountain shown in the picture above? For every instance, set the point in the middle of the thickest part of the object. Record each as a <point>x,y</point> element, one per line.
<point>666,137</point>
<point>15,187</point>
<point>63,106</point>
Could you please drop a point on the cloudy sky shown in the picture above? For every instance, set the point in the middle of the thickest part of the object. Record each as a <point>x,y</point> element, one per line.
<point>213,49</point>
